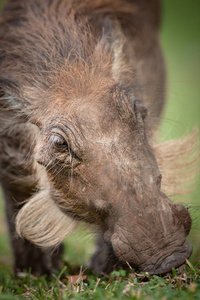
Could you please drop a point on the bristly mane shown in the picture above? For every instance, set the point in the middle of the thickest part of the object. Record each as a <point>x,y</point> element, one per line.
<point>48,48</point>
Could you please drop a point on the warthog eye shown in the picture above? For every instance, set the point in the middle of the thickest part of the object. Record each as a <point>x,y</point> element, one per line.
<point>58,141</point>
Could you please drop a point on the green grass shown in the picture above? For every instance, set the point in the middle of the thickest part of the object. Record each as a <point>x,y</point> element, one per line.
<point>183,284</point>
<point>181,43</point>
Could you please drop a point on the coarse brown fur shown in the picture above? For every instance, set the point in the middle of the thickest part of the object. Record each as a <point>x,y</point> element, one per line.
<point>77,144</point>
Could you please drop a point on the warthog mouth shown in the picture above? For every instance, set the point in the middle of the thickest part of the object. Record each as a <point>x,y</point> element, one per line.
<point>165,263</point>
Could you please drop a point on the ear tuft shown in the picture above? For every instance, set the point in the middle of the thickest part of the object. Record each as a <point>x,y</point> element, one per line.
<point>113,41</point>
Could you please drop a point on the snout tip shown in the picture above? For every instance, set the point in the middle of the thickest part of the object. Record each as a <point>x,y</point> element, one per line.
<point>174,260</point>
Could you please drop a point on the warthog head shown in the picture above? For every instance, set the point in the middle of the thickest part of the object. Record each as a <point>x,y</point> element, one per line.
<point>103,171</point>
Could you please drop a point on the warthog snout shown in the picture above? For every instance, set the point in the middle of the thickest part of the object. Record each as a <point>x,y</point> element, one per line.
<point>158,250</point>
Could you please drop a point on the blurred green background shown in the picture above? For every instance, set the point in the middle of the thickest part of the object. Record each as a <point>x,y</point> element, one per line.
<point>180,38</point>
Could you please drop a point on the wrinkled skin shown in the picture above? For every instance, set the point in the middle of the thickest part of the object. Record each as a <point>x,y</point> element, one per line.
<point>72,126</point>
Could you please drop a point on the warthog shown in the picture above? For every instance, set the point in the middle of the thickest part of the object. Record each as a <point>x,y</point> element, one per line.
<point>82,91</point>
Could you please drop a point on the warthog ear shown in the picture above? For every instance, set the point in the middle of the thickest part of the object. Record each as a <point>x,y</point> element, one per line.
<point>107,33</point>
<point>113,41</point>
